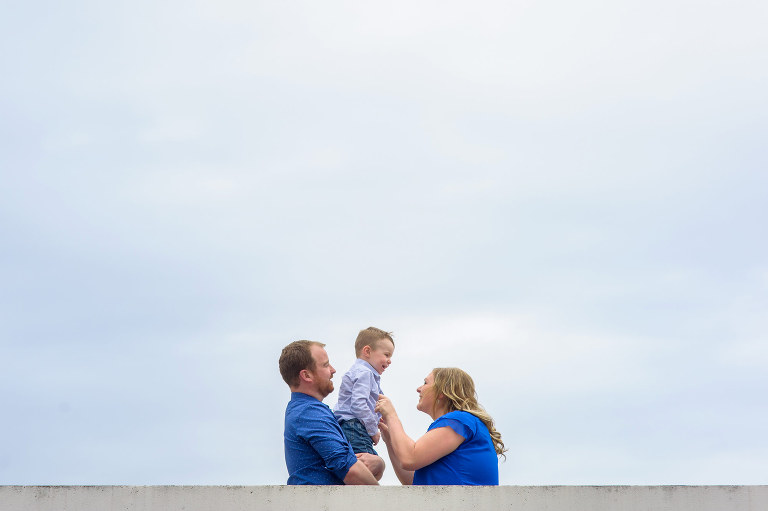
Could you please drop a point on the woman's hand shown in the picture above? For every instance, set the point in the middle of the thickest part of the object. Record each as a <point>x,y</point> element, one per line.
<point>387,410</point>
<point>384,430</point>
<point>406,454</point>
<point>384,407</point>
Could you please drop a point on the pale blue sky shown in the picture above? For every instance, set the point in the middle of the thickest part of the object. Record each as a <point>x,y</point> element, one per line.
<point>568,200</point>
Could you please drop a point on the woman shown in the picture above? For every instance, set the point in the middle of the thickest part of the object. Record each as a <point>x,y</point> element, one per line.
<point>460,447</point>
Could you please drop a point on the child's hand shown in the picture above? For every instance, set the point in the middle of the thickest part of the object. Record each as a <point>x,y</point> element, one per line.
<point>376,438</point>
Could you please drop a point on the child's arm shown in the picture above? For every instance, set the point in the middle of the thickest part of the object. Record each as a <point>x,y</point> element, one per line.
<point>360,407</point>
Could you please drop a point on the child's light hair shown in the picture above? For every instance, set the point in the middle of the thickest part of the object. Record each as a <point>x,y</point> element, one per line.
<point>370,337</point>
<point>458,390</point>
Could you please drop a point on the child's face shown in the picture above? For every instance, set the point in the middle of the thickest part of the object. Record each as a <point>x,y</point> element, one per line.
<point>381,355</point>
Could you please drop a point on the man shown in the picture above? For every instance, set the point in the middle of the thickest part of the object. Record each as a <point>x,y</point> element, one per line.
<point>316,451</point>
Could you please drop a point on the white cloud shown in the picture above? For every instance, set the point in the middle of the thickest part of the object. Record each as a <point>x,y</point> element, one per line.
<point>563,199</point>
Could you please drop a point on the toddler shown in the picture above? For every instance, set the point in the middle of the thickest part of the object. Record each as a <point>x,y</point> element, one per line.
<point>360,389</point>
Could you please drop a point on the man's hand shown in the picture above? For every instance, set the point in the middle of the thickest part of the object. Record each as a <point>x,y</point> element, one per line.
<point>374,463</point>
<point>360,474</point>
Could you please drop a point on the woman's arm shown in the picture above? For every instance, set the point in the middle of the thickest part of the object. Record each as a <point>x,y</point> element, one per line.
<point>404,476</point>
<point>412,455</point>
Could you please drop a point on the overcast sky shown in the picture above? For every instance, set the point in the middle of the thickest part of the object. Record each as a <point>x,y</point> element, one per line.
<point>566,199</point>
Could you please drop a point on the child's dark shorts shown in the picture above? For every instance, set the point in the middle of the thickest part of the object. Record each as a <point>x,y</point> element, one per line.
<point>357,436</point>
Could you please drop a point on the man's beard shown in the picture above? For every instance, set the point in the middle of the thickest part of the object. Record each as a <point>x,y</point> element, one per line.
<point>326,388</point>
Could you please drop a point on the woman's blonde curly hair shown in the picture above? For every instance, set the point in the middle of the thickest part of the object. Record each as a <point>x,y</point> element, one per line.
<point>458,389</point>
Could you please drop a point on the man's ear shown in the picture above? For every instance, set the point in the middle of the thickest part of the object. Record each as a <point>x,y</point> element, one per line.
<point>305,374</point>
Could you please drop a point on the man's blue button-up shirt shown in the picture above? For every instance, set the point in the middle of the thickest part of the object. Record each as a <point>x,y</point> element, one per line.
<point>316,451</point>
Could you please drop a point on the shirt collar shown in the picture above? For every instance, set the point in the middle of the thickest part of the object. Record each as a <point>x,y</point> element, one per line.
<point>362,363</point>
<point>301,395</point>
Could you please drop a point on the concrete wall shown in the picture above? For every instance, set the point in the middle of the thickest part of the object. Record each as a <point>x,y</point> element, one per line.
<point>389,498</point>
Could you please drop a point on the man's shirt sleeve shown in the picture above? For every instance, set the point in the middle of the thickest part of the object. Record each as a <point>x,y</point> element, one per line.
<point>324,435</point>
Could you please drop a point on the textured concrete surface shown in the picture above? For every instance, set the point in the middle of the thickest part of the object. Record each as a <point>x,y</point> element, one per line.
<point>389,498</point>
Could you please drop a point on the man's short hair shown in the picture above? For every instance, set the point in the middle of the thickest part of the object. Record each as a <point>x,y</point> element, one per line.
<point>369,337</point>
<point>296,357</point>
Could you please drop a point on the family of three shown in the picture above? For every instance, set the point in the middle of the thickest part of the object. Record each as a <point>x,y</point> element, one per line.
<point>461,446</point>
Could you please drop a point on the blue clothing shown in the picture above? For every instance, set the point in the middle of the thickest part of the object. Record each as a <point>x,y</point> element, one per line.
<point>359,390</point>
<point>357,436</point>
<point>474,462</point>
<point>316,451</point>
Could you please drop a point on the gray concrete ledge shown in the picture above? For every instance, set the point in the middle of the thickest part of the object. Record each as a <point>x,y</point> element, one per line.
<point>384,498</point>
